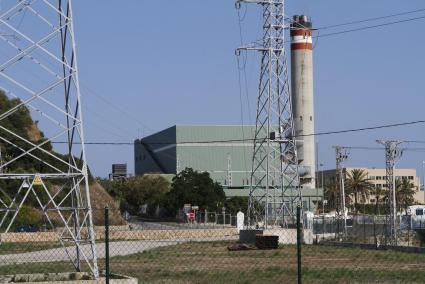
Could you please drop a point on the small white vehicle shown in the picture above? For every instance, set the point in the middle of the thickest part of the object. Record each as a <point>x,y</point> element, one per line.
<point>417,216</point>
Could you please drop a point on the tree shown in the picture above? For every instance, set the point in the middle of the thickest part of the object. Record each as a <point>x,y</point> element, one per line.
<point>358,184</point>
<point>115,188</point>
<point>380,195</point>
<point>331,193</point>
<point>405,190</point>
<point>145,190</point>
<point>237,203</point>
<point>196,188</point>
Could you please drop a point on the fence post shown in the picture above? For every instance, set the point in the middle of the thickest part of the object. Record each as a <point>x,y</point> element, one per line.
<point>374,232</point>
<point>299,235</point>
<point>364,229</point>
<point>408,237</point>
<point>107,272</point>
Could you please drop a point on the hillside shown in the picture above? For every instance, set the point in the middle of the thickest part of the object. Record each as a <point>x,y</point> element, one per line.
<point>100,198</point>
<point>21,122</point>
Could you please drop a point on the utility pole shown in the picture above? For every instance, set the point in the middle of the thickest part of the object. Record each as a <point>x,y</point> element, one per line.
<point>341,154</point>
<point>229,170</point>
<point>316,174</point>
<point>391,155</point>
<point>422,187</point>
<point>275,161</point>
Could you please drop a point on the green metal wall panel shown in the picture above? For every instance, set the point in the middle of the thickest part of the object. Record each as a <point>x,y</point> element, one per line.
<point>206,148</point>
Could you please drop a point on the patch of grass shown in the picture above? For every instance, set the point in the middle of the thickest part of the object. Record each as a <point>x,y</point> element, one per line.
<point>36,268</point>
<point>213,263</point>
<point>15,248</point>
<point>322,265</point>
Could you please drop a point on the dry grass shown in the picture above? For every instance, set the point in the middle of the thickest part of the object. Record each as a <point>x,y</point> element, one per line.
<point>100,198</point>
<point>212,263</point>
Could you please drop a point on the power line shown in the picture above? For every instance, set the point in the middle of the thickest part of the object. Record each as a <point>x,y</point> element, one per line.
<point>371,19</point>
<point>415,141</point>
<point>125,113</point>
<point>382,148</point>
<point>98,143</point>
<point>116,108</point>
<point>369,27</point>
<point>251,139</point>
<point>362,148</point>
<point>365,128</point>
<point>363,28</point>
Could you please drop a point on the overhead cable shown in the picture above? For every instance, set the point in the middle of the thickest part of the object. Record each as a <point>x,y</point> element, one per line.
<point>251,139</point>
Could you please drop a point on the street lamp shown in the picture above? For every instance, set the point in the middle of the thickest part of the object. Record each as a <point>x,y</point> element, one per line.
<point>423,180</point>
<point>323,190</point>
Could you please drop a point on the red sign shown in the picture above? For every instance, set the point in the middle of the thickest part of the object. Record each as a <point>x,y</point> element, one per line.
<point>190,216</point>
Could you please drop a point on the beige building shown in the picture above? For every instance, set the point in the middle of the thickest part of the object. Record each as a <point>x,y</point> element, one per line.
<point>378,178</point>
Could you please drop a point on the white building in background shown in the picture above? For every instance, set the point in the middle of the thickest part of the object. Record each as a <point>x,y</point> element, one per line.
<point>378,178</point>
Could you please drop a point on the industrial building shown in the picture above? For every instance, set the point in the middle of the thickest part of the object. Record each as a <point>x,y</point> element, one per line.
<point>378,178</point>
<point>119,171</point>
<point>226,152</point>
<point>223,151</point>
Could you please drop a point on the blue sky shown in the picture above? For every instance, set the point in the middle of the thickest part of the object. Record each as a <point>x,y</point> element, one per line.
<point>147,65</point>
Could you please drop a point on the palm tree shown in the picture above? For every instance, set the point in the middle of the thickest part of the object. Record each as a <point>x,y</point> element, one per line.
<point>358,184</point>
<point>331,193</point>
<point>380,195</point>
<point>405,190</point>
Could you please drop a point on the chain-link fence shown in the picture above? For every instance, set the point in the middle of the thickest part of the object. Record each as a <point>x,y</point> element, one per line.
<point>369,230</point>
<point>207,248</point>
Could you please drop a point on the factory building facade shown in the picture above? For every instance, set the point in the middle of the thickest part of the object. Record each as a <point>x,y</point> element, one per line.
<point>378,179</point>
<point>225,152</point>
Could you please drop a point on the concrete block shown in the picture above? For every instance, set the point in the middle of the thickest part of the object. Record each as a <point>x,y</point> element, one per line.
<point>248,236</point>
<point>286,236</point>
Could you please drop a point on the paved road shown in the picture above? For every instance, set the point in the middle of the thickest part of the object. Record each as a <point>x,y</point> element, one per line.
<point>149,225</point>
<point>142,225</point>
<point>121,248</point>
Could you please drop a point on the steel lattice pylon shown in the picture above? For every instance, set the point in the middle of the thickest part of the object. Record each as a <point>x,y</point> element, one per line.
<point>341,154</point>
<point>391,155</point>
<point>39,75</point>
<point>275,190</point>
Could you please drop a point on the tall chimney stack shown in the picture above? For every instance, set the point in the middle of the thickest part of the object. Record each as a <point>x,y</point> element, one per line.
<point>302,96</point>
